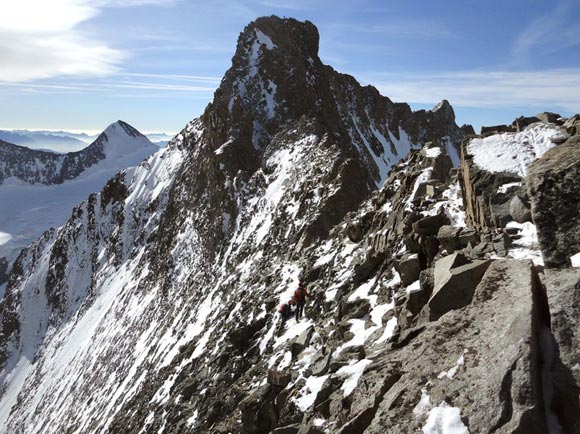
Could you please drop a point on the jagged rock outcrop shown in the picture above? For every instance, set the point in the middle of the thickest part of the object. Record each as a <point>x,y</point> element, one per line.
<point>43,167</point>
<point>552,185</point>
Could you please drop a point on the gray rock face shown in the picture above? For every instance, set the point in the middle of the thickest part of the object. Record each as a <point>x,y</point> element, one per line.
<point>482,359</point>
<point>552,184</point>
<point>3,269</point>
<point>563,289</point>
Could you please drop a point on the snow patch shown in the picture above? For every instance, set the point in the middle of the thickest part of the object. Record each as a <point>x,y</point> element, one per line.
<point>432,152</point>
<point>505,187</point>
<point>526,247</point>
<point>351,374</point>
<point>444,419</point>
<point>453,371</point>
<point>309,392</point>
<point>513,152</point>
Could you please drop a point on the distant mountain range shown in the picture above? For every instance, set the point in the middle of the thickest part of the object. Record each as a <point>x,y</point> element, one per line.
<point>63,141</point>
<point>38,188</point>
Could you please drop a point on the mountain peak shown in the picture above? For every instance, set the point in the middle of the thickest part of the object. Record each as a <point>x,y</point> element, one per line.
<point>121,127</point>
<point>285,34</point>
<point>444,110</point>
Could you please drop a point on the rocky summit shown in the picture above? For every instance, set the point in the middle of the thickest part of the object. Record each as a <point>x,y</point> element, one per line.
<point>154,309</point>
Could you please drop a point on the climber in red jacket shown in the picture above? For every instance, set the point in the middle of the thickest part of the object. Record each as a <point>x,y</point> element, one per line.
<point>300,298</point>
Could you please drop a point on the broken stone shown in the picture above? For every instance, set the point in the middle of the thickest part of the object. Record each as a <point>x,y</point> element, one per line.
<point>496,129</point>
<point>357,308</point>
<point>354,231</point>
<point>519,211</point>
<point>409,268</point>
<point>548,117</point>
<point>418,299</point>
<point>301,342</point>
<point>448,236</point>
<point>466,236</point>
<point>429,225</point>
<point>455,280</point>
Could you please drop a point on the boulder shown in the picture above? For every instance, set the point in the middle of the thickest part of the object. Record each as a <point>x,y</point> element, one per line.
<point>548,117</point>
<point>496,129</point>
<point>417,299</point>
<point>412,243</point>
<point>481,249</point>
<point>485,208</point>
<point>429,225</point>
<point>448,236</point>
<point>499,207</point>
<point>572,125</point>
<point>455,280</point>
<point>258,412</point>
<point>501,243</point>
<point>301,342</point>
<point>320,366</point>
<point>523,121</point>
<point>563,290</point>
<point>409,268</point>
<point>466,236</point>
<point>356,309</point>
<point>354,231</point>
<point>441,168</point>
<point>519,210</point>
<point>554,193</point>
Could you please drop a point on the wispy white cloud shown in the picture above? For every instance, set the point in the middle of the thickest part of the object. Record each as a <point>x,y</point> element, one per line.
<point>122,84</point>
<point>552,32</point>
<point>43,39</point>
<point>486,89</point>
<point>197,78</point>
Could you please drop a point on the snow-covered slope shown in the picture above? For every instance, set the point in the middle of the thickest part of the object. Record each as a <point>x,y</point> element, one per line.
<point>176,266</point>
<point>29,209</point>
<point>513,152</point>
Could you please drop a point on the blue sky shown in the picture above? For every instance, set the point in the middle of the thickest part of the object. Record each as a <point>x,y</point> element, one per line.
<point>82,64</point>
